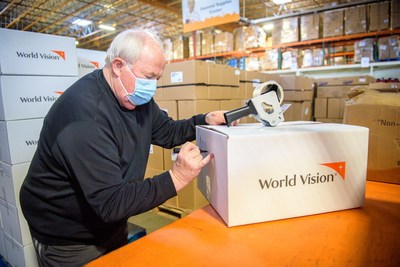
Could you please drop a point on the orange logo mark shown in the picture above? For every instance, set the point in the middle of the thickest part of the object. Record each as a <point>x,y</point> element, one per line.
<point>339,167</point>
<point>95,63</point>
<point>59,92</point>
<point>60,53</point>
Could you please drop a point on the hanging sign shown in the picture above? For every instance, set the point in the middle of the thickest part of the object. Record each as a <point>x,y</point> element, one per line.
<point>200,14</point>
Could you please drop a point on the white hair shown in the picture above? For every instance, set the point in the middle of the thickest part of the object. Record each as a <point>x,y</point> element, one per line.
<point>129,44</point>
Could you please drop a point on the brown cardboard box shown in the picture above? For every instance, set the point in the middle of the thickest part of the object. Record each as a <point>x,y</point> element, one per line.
<point>297,95</point>
<point>223,92</point>
<point>321,107</point>
<point>191,198</point>
<point>378,16</point>
<point>169,106</point>
<point>395,14</point>
<point>310,27</point>
<point>333,108</point>
<point>380,112</point>
<point>290,30</point>
<point>388,47</point>
<point>219,74</point>
<point>333,23</point>
<point>185,92</point>
<point>156,158</point>
<point>231,104</point>
<point>364,49</point>
<point>293,82</point>
<point>158,94</point>
<point>189,108</point>
<point>333,91</point>
<point>349,80</point>
<point>254,78</point>
<point>298,111</point>
<point>385,87</point>
<point>355,19</point>
<point>185,72</point>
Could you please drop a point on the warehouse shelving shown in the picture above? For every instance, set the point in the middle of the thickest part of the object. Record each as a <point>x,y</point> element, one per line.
<point>373,68</point>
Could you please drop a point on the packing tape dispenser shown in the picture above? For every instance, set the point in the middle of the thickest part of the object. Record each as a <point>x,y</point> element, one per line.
<point>265,105</point>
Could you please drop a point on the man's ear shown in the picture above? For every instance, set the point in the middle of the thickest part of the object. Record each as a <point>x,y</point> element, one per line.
<point>117,64</point>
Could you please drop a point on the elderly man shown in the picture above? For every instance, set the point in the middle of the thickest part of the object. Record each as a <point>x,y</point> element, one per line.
<point>87,175</point>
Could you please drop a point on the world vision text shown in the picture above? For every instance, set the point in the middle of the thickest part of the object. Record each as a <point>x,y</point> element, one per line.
<point>308,179</point>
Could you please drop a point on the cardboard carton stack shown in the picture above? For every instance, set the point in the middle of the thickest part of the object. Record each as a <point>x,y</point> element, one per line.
<point>355,20</point>
<point>299,93</point>
<point>333,23</point>
<point>310,27</point>
<point>331,96</point>
<point>378,108</point>
<point>26,94</point>
<point>378,15</point>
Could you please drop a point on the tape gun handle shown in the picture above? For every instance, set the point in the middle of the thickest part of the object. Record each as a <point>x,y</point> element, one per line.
<point>236,114</point>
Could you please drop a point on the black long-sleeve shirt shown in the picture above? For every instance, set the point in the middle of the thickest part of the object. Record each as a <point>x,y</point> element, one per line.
<point>86,177</point>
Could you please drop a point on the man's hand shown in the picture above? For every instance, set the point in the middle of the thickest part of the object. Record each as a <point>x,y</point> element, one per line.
<point>217,118</point>
<point>187,165</point>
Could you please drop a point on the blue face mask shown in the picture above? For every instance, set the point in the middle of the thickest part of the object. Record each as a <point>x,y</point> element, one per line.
<point>144,90</point>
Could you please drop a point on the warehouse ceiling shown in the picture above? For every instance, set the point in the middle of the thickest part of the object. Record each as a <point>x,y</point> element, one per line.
<point>56,16</point>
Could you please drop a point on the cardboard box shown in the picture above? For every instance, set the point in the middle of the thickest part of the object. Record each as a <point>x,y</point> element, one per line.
<point>219,74</point>
<point>310,27</point>
<point>293,82</point>
<point>26,97</point>
<point>22,52</point>
<point>169,106</point>
<point>333,91</point>
<point>297,176</point>
<point>378,15</point>
<point>355,19</point>
<point>223,92</point>
<point>18,255</point>
<point>189,108</point>
<point>89,60</point>
<point>18,140</point>
<point>297,95</point>
<point>298,111</point>
<point>14,223</point>
<point>156,158</point>
<point>191,198</point>
<point>333,108</point>
<point>11,179</point>
<point>332,23</point>
<point>349,80</point>
<point>380,112</point>
<point>321,107</point>
<point>185,92</point>
<point>189,72</point>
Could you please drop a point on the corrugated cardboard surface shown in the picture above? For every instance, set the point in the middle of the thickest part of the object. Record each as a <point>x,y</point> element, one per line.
<point>380,112</point>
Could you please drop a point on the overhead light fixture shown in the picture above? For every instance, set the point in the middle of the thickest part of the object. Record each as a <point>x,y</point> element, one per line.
<point>82,22</point>
<point>107,27</point>
<point>281,2</point>
<point>268,27</point>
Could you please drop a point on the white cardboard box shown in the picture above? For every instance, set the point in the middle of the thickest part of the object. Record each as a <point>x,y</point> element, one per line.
<point>14,223</point>
<point>18,140</point>
<point>26,97</point>
<point>11,179</point>
<point>89,60</point>
<point>18,255</point>
<point>30,53</point>
<point>269,173</point>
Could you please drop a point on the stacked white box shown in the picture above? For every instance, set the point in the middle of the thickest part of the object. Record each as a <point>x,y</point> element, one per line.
<point>35,69</point>
<point>89,60</point>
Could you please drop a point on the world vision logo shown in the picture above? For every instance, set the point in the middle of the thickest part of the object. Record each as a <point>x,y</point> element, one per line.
<point>41,98</point>
<point>339,167</point>
<point>92,65</point>
<point>52,55</point>
<point>60,53</point>
<point>304,179</point>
